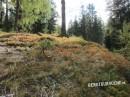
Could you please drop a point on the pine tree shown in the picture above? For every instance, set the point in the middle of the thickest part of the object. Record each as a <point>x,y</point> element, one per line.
<point>35,15</point>
<point>89,26</point>
<point>28,15</point>
<point>52,21</point>
<point>98,33</point>
<point>120,11</point>
<point>83,23</point>
<point>74,28</point>
<point>117,39</point>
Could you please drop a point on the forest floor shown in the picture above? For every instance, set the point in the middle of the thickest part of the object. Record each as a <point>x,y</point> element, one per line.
<point>65,69</point>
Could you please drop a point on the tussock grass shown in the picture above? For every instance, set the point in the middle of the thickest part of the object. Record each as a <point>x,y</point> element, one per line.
<point>65,40</point>
<point>18,39</point>
<point>73,64</point>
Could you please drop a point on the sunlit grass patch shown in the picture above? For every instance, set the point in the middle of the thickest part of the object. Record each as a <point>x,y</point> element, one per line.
<point>65,40</point>
<point>6,35</point>
<point>19,39</point>
<point>22,38</point>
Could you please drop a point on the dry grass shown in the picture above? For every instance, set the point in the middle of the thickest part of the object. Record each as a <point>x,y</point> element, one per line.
<point>73,47</point>
<point>23,38</point>
<point>75,62</point>
<point>99,52</point>
<point>65,40</point>
<point>68,74</point>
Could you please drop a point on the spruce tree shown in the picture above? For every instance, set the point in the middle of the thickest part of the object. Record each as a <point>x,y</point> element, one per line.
<point>89,26</point>
<point>117,39</point>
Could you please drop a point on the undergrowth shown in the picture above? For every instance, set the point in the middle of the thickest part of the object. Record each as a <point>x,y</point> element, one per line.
<point>63,67</point>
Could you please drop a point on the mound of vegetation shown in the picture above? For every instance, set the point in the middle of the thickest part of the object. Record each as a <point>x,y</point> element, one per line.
<point>63,67</point>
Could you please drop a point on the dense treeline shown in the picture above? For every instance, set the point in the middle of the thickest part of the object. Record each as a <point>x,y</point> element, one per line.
<point>118,28</point>
<point>89,26</point>
<point>29,16</point>
<point>41,16</point>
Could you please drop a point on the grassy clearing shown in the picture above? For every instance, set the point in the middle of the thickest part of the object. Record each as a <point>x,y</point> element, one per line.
<point>69,65</point>
<point>24,39</point>
<point>64,78</point>
<point>64,40</point>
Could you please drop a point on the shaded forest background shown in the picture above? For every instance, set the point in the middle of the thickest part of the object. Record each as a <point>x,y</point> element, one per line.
<point>41,16</point>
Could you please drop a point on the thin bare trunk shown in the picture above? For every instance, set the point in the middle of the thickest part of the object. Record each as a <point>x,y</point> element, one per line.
<point>17,15</point>
<point>63,29</point>
<point>6,15</point>
<point>0,12</point>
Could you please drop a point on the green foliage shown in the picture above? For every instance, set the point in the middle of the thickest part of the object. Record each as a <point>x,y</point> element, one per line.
<point>118,25</point>
<point>90,26</point>
<point>120,12</point>
<point>98,33</point>
<point>39,52</point>
<point>46,44</point>
<point>52,21</point>
<point>125,51</point>
<point>74,28</point>
<point>115,40</point>
<point>58,29</point>
<point>29,16</point>
<point>34,13</point>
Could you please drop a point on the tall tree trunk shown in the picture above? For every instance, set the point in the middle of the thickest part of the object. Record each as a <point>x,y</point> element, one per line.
<point>16,16</point>
<point>6,17</point>
<point>0,12</point>
<point>63,29</point>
